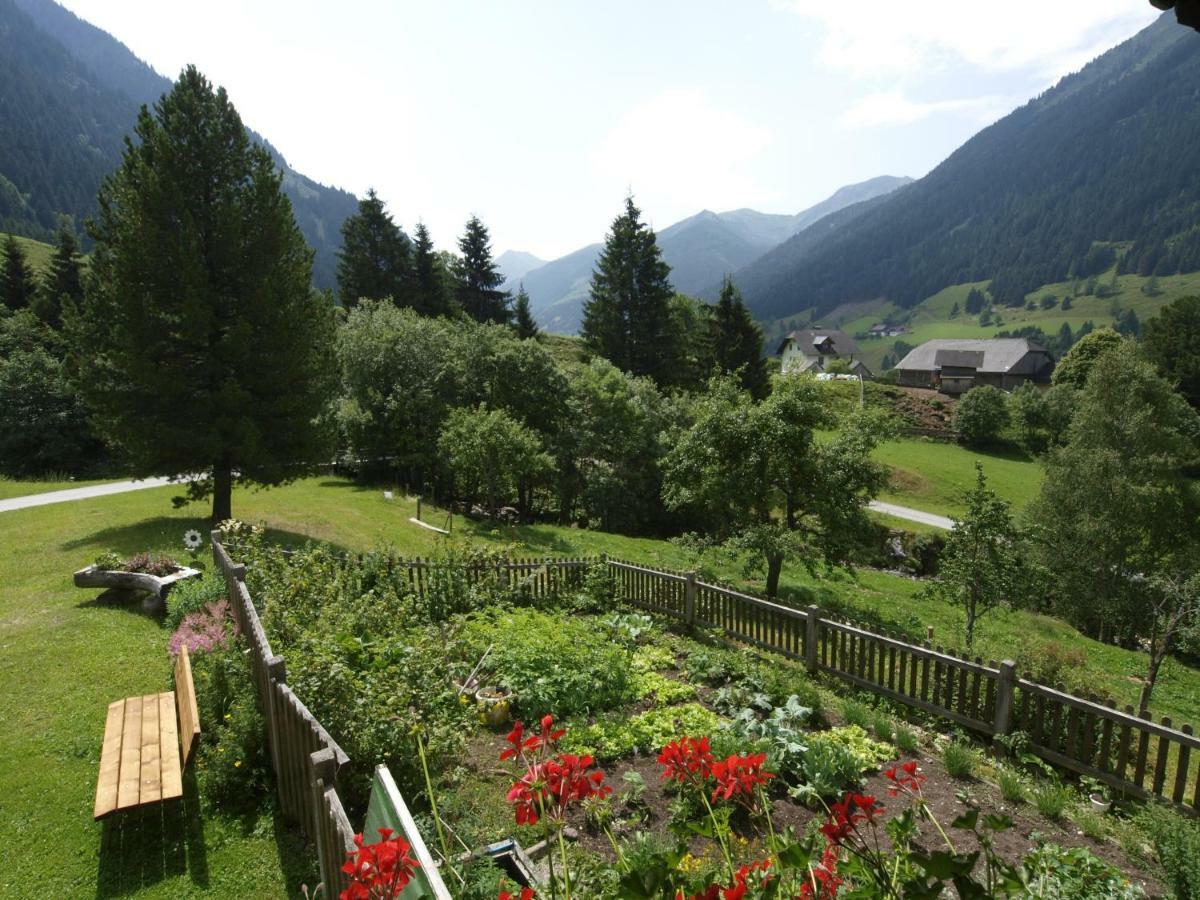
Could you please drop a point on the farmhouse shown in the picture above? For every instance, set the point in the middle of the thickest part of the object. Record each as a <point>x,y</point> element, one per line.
<point>956,366</point>
<point>813,351</point>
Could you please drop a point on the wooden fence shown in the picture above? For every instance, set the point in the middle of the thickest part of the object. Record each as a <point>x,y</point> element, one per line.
<point>306,760</point>
<point>1087,736</point>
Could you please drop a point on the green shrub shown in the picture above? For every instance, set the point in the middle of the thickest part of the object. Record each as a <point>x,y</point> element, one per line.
<point>109,561</point>
<point>1012,785</point>
<point>553,664</point>
<point>1075,874</point>
<point>856,713</point>
<point>1051,798</point>
<point>981,415</point>
<point>648,732</point>
<point>907,740</point>
<point>233,766</point>
<point>1176,840</point>
<point>192,595</point>
<point>959,760</point>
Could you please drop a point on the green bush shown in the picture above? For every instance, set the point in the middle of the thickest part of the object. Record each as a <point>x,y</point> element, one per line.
<point>1176,840</point>
<point>192,595</point>
<point>981,415</point>
<point>959,760</point>
<point>552,663</point>
<point>233,766</point>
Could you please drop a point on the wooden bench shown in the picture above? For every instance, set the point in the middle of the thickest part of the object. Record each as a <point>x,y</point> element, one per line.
<point>145,751</point>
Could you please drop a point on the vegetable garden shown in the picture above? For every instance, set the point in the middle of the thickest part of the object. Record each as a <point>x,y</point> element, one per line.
<point>653,762</point>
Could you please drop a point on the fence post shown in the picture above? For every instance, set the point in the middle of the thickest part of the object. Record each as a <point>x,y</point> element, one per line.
<point>323,769</point>
<point>811,621</point>
<point>689,600</point>
<point>1006,684</point>
<point>276,674</point>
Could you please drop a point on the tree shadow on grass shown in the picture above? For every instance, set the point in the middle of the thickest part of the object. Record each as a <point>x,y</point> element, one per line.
<point>138,603</point>
<point>535,538</point>
<point>167,532</point>
<point>141,847</point>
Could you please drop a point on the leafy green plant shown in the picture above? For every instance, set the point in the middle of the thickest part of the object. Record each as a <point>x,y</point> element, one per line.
<point>1012,785</point>
<point>613,738</point>
<point>1051,798</point>
<point>882,725</point>
<point>109,561</point>
<point>906,739</point>
<point>192,595</point>
<point>856,713</point>
<point>781,732</point>
<point>959,760</point>
<point>1092,824</point>
<point>665,691</point>
<point>1075,874</point>
<point>1176,841</point>
<point>836,760</point>
<point>652,658</point>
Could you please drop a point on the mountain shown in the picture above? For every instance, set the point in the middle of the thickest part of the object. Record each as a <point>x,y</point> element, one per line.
<point>1103,167</point>
<point>513,264</point>
<point>69,94</point>
<point>700,250</point>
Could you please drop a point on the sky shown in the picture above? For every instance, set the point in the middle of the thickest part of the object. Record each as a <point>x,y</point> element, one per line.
<point>539,116</point>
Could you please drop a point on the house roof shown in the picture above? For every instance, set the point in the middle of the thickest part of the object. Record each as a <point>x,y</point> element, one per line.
<point>843,344</point>
<point>1014,355</point>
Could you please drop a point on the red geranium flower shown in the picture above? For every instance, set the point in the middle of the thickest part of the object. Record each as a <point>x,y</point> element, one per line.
<point>380,870</point>
<point>687,760</point>
<point>739,775</point>
<point>905,779</point>
<point>823,880</point>
<point>526,894</point>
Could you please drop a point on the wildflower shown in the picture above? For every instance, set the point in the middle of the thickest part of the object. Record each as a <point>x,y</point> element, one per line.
<point>380,870</point>
<point>192,540</point>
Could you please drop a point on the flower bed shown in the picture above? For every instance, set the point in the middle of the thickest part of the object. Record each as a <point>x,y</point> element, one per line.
<point>661,765</point>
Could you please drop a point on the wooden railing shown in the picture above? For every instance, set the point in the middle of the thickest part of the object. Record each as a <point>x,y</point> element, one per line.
<point>306,760</point>
<point>1090,737</point>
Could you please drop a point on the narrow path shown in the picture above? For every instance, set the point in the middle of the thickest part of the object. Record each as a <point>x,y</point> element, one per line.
<point>80,493</point>
<point>913,515</point>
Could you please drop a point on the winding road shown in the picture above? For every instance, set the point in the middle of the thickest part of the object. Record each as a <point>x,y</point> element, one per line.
<point>122,487</point>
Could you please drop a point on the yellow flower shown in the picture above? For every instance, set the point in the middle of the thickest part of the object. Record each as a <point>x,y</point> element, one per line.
<point>228,715</point>
<point>237,764</point>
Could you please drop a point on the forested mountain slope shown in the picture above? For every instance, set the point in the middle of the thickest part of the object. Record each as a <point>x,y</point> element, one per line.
<point>1111,154</point>
<point>69,93</point>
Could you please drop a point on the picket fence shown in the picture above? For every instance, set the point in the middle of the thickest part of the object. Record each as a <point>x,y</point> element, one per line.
<point>1088,736</point>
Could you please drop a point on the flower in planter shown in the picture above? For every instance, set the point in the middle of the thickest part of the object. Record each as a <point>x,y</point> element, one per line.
<point>380,870</point>
<point>192,540</point>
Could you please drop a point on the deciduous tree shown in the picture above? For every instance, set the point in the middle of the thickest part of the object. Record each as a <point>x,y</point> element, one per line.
<point>203,348</point>
<point>1172,343</point>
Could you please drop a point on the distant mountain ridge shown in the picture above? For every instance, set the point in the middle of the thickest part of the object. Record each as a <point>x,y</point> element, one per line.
<point>700,250</point>
<point>514,264</point>
<point>71,93</point>
<point>1103,166</point>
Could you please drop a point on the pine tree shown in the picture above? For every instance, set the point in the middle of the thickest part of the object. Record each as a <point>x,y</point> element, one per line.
<point>62,284</point>
<point>429,281</point>
<point>16,279</point>
<point>479,280</point>
<point>628,316</point>
<point>375,261</point>
<point>202,347</point>
<point>523,317</point>
<point>736,342</point>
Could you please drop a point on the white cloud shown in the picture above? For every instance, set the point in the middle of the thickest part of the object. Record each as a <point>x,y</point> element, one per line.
<point>677,150</point>
<point>1048,37</point>
<point>895,108</point>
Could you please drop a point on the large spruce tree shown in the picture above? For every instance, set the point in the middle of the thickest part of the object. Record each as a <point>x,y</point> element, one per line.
<point>203,348</point>
<point>628,319</point>
<point>16,280</point>
<point>62,283</point>
<point>736,342</point>
<point>428,279</point>
<point>479,280</point>
<point>375,262</point>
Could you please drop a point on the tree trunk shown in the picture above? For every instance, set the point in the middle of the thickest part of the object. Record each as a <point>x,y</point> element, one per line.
<point>774,568</point>
<point>222,507</point>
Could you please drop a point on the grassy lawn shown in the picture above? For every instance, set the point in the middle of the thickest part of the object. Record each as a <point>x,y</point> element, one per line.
<point>63,658</point>
<point>933,475</point>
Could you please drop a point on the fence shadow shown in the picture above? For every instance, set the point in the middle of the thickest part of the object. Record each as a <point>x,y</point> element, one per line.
<point>141,847</point>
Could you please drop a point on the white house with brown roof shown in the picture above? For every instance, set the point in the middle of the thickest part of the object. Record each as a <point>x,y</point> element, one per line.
<point>813,350</point>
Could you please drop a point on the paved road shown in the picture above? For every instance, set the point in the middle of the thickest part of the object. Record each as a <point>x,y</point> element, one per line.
<point>121,487</point>
<point>913,515</point>
<point>80,493</point>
